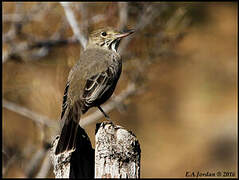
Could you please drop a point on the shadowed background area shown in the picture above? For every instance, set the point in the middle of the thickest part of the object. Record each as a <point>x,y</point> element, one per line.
<point>182,60</point>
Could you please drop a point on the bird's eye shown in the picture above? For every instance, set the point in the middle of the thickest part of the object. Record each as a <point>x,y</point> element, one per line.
<point>104,33</point>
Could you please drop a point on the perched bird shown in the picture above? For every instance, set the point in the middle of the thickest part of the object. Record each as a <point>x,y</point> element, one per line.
<point>91,82</point>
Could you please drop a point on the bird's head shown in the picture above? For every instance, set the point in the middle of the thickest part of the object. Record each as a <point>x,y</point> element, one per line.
<point>107,38</point>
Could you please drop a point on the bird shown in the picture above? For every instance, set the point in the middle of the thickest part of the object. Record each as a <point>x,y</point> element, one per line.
<point>91,82</point>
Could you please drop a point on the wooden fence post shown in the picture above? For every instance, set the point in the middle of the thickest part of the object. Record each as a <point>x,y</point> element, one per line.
<point>117,152</point>
<point>116,155</point>
<point>77,164</point>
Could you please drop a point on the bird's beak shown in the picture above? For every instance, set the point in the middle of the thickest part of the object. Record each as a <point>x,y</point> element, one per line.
<point>128,32</point>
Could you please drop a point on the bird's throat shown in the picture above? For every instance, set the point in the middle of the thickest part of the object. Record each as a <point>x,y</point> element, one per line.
<point>114,45</point>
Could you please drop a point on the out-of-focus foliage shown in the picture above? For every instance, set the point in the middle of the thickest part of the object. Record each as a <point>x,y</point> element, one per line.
<point>183,59</point>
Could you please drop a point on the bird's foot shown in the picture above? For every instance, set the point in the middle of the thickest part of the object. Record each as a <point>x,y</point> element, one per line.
<point>106,116</point>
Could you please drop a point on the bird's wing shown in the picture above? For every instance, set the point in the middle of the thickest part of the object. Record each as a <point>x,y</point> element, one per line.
<point>65,96</point>
<point>64,103</point>
<point>94,88</point>
<point>97,85</point>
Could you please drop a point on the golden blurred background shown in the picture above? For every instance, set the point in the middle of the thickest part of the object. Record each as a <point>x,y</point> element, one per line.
<point>183,60</point>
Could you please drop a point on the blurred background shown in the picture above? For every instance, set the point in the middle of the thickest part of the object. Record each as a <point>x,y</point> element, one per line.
<point>182,61</point>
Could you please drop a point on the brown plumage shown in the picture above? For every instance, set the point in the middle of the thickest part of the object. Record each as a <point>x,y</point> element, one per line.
<point>90,83</point>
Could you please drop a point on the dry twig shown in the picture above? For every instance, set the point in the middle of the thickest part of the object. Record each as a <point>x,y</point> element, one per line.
<point>73,23</point>
<point>35,117</point>
<point>45,167</point>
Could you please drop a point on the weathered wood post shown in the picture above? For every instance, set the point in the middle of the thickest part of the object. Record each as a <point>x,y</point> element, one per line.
<point>77,164</point>
<point>117,152</point>
<point>116,155</point>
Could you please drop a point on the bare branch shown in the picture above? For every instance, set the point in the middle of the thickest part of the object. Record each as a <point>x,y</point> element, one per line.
<point>123,15</point>
<point>149,14</point>
<point>43,48</point>
<point>35,117</point>
<point>6,166</point>
<point>34,162</point>
<point>13,18</point>
<point>22,18</point>
<point>35,14</point>
<point>19,18</point>
<point>74,25</point>
<point>131,89</point>
<point>45,167</point>
<point>82,9</point>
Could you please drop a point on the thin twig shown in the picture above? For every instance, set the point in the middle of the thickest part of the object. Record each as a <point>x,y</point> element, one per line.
<point>37,118</point>
<point>9,163</point>
<point>150,13</point>
<point>18,49</point>
<point>34,162</point>
<point>85,121</point>
<point>82,9</point>
<point>123,15</point>
<point>73,23</point>
<point>109,106</point>
<point>45,167</point>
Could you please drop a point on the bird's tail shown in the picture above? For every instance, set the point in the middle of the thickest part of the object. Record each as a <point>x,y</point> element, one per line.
<point>68,136</point>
